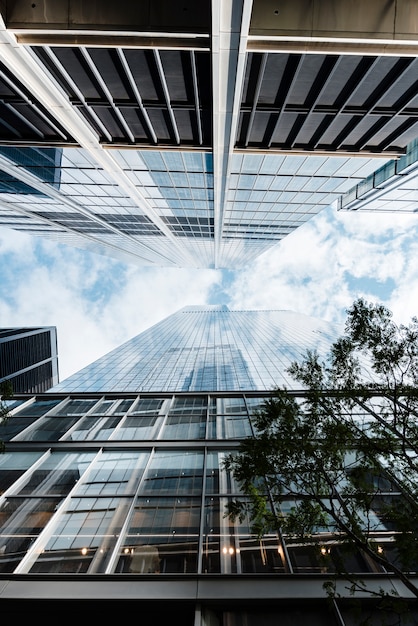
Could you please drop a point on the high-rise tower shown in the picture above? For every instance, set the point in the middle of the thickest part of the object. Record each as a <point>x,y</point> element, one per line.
<point>206,349</point>
<point>114,491</point>
<point>196,134</point>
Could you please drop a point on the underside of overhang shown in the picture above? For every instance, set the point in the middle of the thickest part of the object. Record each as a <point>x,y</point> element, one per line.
<point>222,80</point>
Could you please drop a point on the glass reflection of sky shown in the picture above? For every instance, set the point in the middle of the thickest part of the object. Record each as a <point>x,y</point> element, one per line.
<point>155,199</point>
<point>207,349</point>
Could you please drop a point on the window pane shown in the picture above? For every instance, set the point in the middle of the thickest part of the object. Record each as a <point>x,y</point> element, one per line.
<point>21,521</point>
<point>37,408</point>
<point>138,427</point>
<point>13,465</point>
<point>163,533</point>
<point>114,473</point>
<point>84,536</point>
<point>184,427</point>
<point>94,428</point>
<point>174,473</point>
<point>47,429</point>
<point>57,475</point>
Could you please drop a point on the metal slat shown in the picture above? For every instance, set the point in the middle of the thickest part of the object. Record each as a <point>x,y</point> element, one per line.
<point>137,95</point>
<point>292,81</point>
<point>256,98</point>
<point>327,71</point>
<point>61,69</point>
<point>406,98</point>
<point>343,109</point>
<point>166,95</point>
<point>30,103</point>
<point>106,92</point>
<point>196,97</point>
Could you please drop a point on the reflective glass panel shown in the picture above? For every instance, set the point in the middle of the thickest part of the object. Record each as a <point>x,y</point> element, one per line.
<point>37,408</point>
<point>162,536</point>
<point>231,548</point>
<point>218,480</point>
<point>138,427</point>
<point>114,473</point>
<point>91,428</point>
<point>13,465</point>
<point>186,427</point>
<point>47,429</point>
<point>174,472</point>
<point>83,537</point>
<point>21,521</point>
<point>57,474</point>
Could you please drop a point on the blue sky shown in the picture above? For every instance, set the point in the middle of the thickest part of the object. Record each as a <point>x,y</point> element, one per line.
<point>97,303</point>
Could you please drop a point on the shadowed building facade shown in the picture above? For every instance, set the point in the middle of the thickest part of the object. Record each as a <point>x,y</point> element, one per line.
<point>29,358</point>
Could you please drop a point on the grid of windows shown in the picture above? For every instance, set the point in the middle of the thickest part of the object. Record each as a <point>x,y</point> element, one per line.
<point>161,198</point>
<point>209,349</point>
<point>156,506</point>
<point>390,188</point>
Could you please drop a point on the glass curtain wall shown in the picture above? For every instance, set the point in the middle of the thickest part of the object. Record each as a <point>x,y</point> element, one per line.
<point>136,485</point>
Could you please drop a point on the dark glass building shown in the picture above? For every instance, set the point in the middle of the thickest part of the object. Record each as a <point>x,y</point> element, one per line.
<point>29,358</point>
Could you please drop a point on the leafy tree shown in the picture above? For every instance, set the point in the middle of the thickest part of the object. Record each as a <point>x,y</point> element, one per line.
<point>335,468</point>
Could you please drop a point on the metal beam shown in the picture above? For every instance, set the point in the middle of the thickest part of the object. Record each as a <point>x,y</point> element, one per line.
<point>32,74</point>
<point>230,26</point>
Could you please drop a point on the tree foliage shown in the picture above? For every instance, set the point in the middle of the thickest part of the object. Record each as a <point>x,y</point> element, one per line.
<point>336,468</point>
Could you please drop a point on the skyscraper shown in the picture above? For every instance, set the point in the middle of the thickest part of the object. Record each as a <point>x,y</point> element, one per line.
<point>207,349</point>
<point>114,492</point>
<point>29,358</point>
<point>390,188</point>
<point>196,134</point>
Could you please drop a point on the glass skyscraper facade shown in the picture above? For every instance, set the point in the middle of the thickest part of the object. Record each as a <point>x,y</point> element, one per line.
<point>114,492</point>
<point>393,187</point>
<point>173,134</point>
<point>207,349</point>
<point>184,134</point>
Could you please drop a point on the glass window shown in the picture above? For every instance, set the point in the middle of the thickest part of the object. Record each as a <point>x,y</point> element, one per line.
<point>232,548</point>
<point>57,474</point>
<point>114,473</point>
<point>47,429</point>
<point>147,406</point>
<point>12,427</point>
<point>138,427</point>
<point>84,537</point>
<point>174,473</point>
<point>21,521</point>
<point>13,465</point>
<point>103,407</point>
<point>186,427</point>
<point>76,407</point>
<point>94,428</point>
<point>189,405</point>
<point>122,407</point>
<point>217,480</point>
<point>229,427</point>
<point>162,536</point>
<point>37,408</point>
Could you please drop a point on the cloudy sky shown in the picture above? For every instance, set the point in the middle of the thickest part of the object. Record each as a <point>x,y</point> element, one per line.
<point>97,303</point>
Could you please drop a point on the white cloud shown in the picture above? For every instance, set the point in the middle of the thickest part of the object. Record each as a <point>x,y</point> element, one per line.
<point>94,302</point>
<point>97,303</point>
<point>330,261</point>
